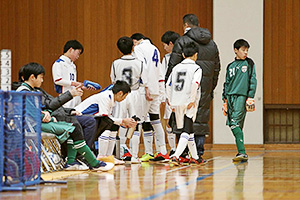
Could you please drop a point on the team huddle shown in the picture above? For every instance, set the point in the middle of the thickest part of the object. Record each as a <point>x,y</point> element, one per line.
<point>183,82</point>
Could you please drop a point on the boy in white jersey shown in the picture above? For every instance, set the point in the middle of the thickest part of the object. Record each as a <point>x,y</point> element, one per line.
<point>183,94</point>
<point>102,104</point>
<point>64,71</point>
<point>168,40</point>
<point>154,92</point>
<point>129,69</point>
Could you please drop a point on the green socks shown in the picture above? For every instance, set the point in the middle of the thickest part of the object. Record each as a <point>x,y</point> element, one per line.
<point>71,151</point>
<point>84,150</point>
<point>239,139</point>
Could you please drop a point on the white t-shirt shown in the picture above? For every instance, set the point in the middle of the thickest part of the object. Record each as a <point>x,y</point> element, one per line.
<point>129,69</point>
<point>100,104</point>
<point>183,86</point>
<point>150,55</point>
<point>64,72</point>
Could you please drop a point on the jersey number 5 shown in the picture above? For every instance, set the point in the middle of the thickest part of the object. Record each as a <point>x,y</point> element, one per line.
<point>155,57</point>
<point>180,81</point>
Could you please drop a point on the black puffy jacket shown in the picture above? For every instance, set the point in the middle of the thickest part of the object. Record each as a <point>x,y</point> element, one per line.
<point>209,61</point>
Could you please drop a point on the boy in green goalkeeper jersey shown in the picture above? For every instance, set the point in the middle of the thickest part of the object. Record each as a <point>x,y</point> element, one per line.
<point>238,94</point>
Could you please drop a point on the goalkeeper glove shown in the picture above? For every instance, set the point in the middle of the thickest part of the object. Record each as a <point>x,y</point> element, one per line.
<point>224,108</point>
<point>250,105</point>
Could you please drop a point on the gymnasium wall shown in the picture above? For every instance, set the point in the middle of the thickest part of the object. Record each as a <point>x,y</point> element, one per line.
<point>36,31</point>
<point>235,19</point>
<point>281,52</point>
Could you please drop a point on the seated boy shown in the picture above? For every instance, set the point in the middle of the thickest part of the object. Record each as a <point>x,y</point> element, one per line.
<point>33,74</point>
<point>183,94</point>
<point>101,104</point>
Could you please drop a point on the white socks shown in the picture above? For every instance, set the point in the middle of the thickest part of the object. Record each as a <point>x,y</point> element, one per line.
<point>192,147</point>
<point>183,141</point>
<point>171,138</point>
<point>103,141</point>
<point>148,142</point>
<point>160,134</point>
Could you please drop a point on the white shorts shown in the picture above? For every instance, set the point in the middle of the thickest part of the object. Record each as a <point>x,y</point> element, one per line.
<point>180,111</point>
<point>152,107</point>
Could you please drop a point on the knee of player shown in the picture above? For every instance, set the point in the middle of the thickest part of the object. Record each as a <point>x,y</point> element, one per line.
<point>147,126</point>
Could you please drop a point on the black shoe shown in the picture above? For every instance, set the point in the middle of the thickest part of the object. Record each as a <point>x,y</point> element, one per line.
<point>171,153</point>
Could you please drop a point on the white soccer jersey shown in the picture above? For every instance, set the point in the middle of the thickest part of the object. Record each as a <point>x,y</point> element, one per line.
<point>150,55</point>
<point>181,84</point>
<point>129,69</point>
<point>64,72</point>
<point>100,104</point>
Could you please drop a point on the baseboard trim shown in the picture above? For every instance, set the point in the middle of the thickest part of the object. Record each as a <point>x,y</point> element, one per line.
<point>253,147</point>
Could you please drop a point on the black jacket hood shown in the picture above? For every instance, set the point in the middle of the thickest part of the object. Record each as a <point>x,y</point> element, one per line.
<point>200,35</point>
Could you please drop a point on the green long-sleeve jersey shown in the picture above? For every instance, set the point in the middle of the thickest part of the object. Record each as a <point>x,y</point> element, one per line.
<point>240,78</point>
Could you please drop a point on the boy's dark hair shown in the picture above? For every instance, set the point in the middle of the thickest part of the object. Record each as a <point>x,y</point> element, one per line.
<point>190,19</point>
<point>240,43</point>
<point>121,86</point>
<point>169,36</point>
<point>73,44</point>
<point>137,36</point>
<point>125,45</point>
<point>189,49</point>
<point>31,68</point>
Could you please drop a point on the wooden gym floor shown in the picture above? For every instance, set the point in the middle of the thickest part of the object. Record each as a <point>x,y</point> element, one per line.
<point>267,175</point>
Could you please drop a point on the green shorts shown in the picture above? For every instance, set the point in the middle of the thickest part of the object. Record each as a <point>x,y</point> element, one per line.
<point>61,129</point>
<point>236,105</point>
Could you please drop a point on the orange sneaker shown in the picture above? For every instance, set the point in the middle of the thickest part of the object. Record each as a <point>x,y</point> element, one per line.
<point>161,158</point>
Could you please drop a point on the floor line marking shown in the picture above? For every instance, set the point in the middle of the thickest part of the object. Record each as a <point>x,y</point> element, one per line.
<point>193,181</point>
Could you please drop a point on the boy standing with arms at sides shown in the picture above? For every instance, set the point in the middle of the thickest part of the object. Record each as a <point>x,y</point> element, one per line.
<point>238,94</point>
<point>102,104</point>
<point>33,75</point>
<point>154,93</point>
<point>168,39</point>
<point>64,71</point>
<point>183,94</point>
<point>131,70</point>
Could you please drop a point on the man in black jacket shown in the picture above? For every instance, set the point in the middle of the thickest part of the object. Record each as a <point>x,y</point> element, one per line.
<point>209,61</point>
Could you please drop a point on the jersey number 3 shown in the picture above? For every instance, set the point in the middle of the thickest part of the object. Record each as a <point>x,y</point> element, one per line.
<point>127,74</point>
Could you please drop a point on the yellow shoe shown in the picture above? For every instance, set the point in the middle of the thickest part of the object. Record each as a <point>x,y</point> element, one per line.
<point>110,159</point>
<point>146,157</point>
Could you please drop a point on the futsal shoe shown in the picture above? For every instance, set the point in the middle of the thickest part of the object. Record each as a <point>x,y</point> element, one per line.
<point>75,166</point>
<point>161,158</point>
<point>109,159</point>
<point>135,160</point>
<point>184,159</point>
<point>126,156</point>
<point>196,162</point>
<point>171,153</point>
<point>118,162</point>
<point>174,161</point>
<point>146,157</point>
<point>240,157</point>
<point>103,166</point>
